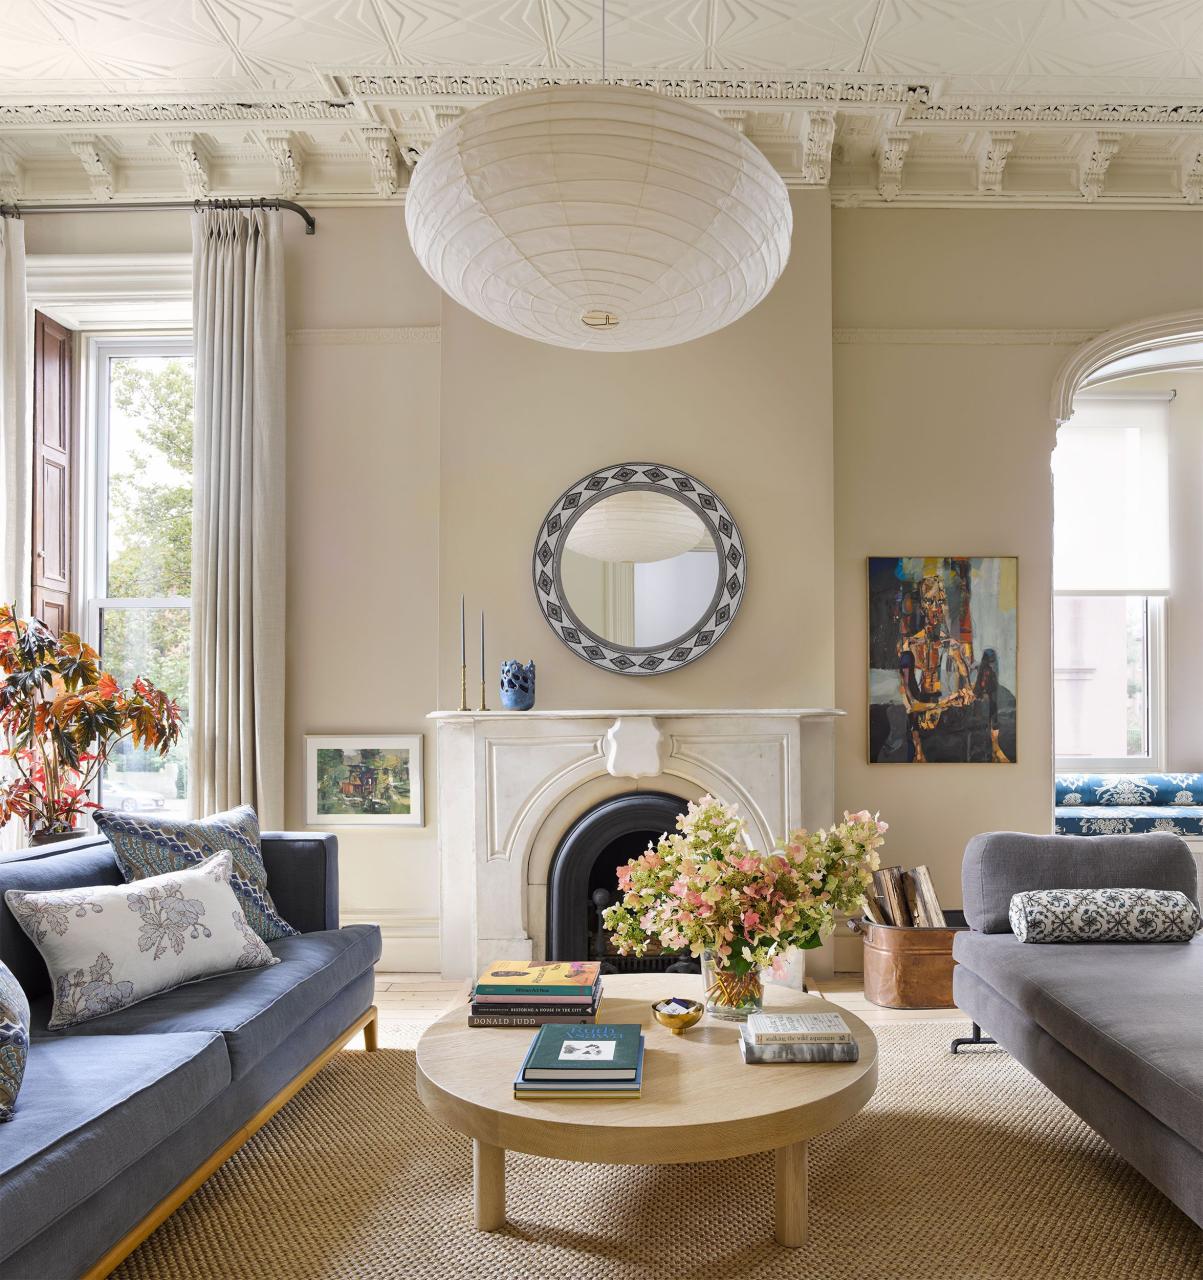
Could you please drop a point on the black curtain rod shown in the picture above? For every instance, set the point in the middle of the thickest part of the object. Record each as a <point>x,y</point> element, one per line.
<point>258,202</point>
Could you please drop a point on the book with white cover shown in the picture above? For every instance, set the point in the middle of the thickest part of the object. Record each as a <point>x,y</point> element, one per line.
<point>798,1028</point>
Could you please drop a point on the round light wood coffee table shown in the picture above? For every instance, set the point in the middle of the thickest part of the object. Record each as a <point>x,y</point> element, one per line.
<point>700,1102</point>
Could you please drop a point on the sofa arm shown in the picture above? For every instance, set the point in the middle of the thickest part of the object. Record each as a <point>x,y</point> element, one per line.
<point>302,877</point>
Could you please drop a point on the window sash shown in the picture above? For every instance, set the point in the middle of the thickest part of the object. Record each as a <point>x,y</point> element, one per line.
<point>1153,761</point>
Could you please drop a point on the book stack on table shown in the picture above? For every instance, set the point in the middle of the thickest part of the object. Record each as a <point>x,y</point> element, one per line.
<point>797,1037</point>
<point>600,1061</point>
<point>527,993</point>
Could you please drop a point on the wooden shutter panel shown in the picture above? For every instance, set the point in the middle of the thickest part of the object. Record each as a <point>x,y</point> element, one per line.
<point>53,471</point>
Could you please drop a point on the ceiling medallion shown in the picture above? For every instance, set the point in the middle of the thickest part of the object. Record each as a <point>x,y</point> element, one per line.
<point>601,217</point>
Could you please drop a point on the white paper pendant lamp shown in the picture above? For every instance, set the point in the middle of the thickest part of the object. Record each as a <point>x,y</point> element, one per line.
<point>599,217</point>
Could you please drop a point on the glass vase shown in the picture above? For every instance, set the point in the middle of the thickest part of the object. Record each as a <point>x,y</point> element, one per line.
<point>730,996</point>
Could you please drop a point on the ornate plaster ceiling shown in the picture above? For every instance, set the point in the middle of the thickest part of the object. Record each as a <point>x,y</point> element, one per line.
<point>911,101</point>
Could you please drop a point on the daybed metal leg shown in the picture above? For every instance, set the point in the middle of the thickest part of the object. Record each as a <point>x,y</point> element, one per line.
<point>976,1038</point>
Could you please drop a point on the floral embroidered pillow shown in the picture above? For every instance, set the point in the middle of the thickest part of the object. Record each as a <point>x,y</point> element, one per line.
<point>14,1041</point>
<point>148,846</point>
<point>1104,915</point>
<point>112,946</point>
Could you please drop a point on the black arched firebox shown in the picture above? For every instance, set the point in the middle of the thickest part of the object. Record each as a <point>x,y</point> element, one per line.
<point>583,880</point>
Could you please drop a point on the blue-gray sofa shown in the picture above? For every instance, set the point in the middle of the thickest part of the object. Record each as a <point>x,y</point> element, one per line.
<point>119,1119</point>
<point>1114,1029</point>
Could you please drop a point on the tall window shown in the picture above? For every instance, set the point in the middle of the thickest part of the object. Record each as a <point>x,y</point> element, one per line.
<point>139,531</point>
<point>1111,575</point>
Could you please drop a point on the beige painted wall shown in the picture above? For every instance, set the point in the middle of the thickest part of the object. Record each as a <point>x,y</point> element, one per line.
<point>417,471</point>
<point>747,410</point>
<point>943,446</point>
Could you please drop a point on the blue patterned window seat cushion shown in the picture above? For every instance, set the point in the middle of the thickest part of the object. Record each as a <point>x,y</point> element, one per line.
<point>1105,804</point>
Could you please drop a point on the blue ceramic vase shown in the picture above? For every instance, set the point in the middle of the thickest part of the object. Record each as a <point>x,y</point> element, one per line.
<point>517,685</point>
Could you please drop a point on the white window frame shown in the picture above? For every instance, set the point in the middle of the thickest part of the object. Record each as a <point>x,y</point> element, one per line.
<point>92,543</point>
<point>1154,759</point>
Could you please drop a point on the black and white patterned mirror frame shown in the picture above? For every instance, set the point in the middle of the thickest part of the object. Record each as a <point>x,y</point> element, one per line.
<point>621,659</point>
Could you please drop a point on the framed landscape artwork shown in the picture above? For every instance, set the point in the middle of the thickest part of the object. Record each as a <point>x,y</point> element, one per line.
<point>363,781</point>
<point>942,659</point>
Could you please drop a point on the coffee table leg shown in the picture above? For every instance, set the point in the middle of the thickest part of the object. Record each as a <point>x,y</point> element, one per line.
<point>791,1195</point>
<point>488,1186</point>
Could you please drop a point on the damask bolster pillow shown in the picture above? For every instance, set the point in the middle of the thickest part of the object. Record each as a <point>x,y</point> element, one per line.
<point>148,846</point>
<point>14,1041</point>
<point>114,945</point>
<point>1104,915</point>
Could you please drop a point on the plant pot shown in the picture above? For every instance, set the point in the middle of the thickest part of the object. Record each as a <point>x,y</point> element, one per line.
<point>51,837</point>
<point>730,996</point>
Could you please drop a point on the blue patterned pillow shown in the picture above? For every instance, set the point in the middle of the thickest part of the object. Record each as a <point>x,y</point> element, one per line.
<point>14,1041</point>
<point>1103,915</point>
<point>148,846</point>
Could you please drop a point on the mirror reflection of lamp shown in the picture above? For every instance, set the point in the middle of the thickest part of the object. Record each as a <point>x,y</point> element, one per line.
<point>638,528</point>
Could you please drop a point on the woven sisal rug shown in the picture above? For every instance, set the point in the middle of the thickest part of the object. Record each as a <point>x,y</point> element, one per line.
<point>960,1167</point>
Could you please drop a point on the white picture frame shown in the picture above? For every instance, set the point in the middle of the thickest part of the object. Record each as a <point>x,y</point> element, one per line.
<point>375,793</point>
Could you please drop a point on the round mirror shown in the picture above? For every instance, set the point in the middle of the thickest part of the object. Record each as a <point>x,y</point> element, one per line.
<point>639,568</point>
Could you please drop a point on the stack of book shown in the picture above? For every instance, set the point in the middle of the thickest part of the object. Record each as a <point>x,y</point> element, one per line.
<point>600,1061</point>
<point>797,1037</point>
<point>527,993</point>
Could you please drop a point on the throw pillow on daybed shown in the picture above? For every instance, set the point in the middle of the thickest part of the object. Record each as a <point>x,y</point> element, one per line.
<point>111,946</point>
<point>14,1041</point>
<point>148,846</point>
<point>1103,915</point>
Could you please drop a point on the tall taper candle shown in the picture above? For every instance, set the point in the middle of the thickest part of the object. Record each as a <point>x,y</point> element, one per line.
<point>463,647</point>
<point>482,646</point>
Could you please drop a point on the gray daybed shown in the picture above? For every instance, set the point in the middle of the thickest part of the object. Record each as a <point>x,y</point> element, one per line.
<point>1115,1030</point>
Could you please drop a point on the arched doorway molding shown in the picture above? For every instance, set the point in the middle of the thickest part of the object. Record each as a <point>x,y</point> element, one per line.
<point>1143,335</point>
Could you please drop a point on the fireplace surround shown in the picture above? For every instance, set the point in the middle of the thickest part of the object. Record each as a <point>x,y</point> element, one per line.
<point>514,786</point>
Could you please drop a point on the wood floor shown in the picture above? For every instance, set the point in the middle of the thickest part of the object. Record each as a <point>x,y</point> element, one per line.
<point>421,996</point>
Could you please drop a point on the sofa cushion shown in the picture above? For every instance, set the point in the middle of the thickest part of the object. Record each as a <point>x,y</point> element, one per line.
<point>14,1040</point>
<point>75,868</point>
<point>1127,789</point>
<point>91,1107</point>
<point>111,946</point>
<point>1112,820</point>
<point>256,1009</point>
<point>147,846</point>
<point>1131,1011</point>
<point>1000,864</point>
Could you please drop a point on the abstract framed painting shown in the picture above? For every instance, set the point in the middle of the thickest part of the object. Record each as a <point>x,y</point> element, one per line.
<point>363,781</point>
<point>943,661</point>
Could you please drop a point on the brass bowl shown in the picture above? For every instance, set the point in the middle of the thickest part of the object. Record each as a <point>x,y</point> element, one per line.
<point>677,1023</point>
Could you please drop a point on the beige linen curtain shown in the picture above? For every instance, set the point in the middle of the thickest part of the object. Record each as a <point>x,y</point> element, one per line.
<point>16,444</point>
<point>237,753</point>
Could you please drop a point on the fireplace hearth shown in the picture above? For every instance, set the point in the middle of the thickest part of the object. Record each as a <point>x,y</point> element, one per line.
<point>584,879</point>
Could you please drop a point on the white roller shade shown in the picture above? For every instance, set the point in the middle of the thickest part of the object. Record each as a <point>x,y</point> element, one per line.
<point>1111,530</point>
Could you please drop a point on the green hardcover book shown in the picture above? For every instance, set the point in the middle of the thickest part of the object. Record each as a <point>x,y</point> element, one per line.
<point>604,1051</point>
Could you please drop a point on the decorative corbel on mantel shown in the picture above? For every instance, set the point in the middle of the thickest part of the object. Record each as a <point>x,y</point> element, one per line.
<point>98,164</point>
<point>11,178</point>
<point>1104,143</point>
<point>286,156</point>
<point>382,156</point>
<point>816,150</point>
<point>634,748</point>
<point>891,157</point>
<point>992,159</point>
<point>189,151</point>
<point>1192,177</point>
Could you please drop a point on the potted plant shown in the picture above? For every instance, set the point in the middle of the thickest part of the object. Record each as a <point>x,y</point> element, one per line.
<point>704,888</point>
<point>60,718</point>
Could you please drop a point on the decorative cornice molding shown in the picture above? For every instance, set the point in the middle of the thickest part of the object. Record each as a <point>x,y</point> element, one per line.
<point>24,115</point>
<point>285,152</point>
<point>382,155</point>
<point>1192,177</point>
<point>1056,113</point>
<point>1096,161</point>
<point>962,337</point>
<point>992,159</point>
<point>746,88</point>
<point>816,149</point>
<point>890,160</point>
<point>408,335</point>
<point>189,152</point>
<point>11,183</point>
<point>98,165</point>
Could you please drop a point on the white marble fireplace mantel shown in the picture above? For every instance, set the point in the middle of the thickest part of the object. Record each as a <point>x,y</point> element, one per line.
<point>511,784</point>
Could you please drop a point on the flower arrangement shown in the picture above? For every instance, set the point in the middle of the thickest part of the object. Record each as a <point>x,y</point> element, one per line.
<point>704,888</point>
<point>60,718</point>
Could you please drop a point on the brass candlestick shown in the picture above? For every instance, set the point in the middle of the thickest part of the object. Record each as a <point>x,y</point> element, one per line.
<point>463,687</point>
<point>483,707</point>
